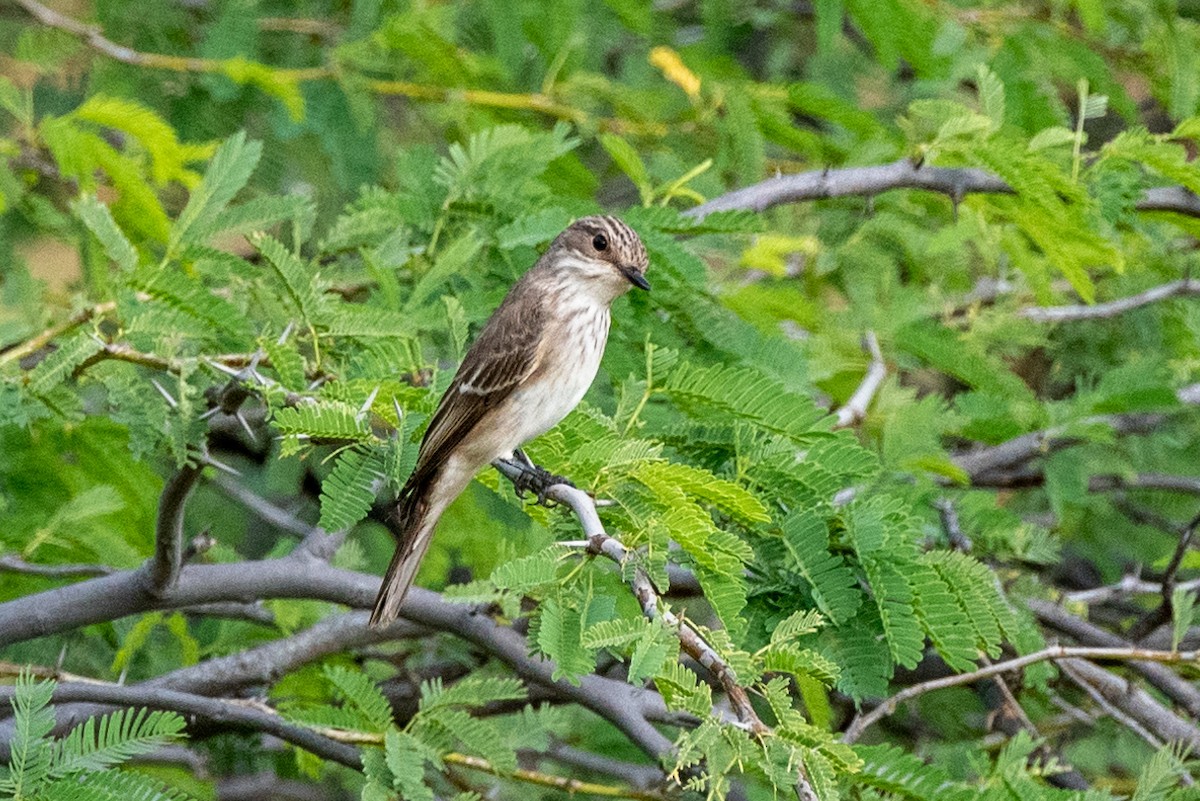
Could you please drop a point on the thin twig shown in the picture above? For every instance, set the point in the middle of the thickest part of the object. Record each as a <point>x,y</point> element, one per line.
<point>1138,705</point>
<point>855,409</point>
<point>1053,653</point>
<point>1175,687</point>
<point>563,783</point>
<point>535,102</point>
<point>1101,311</point>
<point>1129,585</point>
<point>20,350</point>
<point>14,564</point>
<point>1166,608</point>
<point>1070,667</point>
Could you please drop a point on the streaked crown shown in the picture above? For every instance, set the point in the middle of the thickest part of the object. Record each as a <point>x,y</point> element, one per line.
<point>606,242</point>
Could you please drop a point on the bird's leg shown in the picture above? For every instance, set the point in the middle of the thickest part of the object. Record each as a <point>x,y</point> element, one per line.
<point>535,479</point>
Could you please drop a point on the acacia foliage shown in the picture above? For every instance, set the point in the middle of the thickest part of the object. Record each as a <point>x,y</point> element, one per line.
<point>351,302</point>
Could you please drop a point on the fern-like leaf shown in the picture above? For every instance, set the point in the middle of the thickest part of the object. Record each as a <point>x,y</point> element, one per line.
<point>806,538</point>
<point>227,173</point>
<point>361,693</point>
<point>99,743</point>
<point>299,282</point>
<point>746,394</point>
<point>349,490</point>
<point>470,691</point>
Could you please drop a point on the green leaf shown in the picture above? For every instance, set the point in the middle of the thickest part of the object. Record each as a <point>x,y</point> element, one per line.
<point>98,219</point>
<point>299,282</point>
<point>357,689</point>
<point>99,743</point>
<point>406,762</point>
<point>559,636</point>
<point>227,173</point>
<point>834,588</point>
<point>630,163</point>
<point>31,750</point>
<point>349,490</point>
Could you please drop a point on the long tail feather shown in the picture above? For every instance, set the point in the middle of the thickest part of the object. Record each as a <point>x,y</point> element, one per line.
<point>415,533</point>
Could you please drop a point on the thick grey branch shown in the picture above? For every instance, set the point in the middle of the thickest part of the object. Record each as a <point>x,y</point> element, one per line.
<point>629,708</point>
<point>1136,703</point>
<point>228,714</point>
<point>15,564</point>
<point>982,463</point>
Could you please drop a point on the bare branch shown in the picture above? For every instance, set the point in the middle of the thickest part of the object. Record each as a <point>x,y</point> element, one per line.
<point>303,575</point>
<point>855,409</point>
<point>20,350</point>
<point>536,102</point>
<point>1163,612</point>
<point>1100,311</point>
<point>1127,586</point>
<point>954,182</point>
<point>981,464</point>
<point>1137,704</point>
<point>262,508</point>
<point>163,569</point>
<point>14,564</point>
<point>228,714</point>
<point>1179,690</point>
<point>563,783</point>
<point>1053,653</point>
<point>1069,667</point>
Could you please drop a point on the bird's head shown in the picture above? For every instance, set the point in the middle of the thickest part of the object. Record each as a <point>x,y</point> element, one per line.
<point>604,252</point>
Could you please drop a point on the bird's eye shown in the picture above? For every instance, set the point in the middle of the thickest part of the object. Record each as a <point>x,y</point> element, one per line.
<point>600,242</point>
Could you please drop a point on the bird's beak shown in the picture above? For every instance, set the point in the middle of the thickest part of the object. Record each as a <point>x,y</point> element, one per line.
<point>635,278</point>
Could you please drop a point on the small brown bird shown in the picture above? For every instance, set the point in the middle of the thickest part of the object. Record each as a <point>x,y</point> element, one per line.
<point>530,366</point>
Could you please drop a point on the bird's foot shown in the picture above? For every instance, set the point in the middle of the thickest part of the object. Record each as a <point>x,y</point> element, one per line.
<point>538,480</point>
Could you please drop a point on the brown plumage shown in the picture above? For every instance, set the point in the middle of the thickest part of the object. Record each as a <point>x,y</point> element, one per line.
<point>531,364</point>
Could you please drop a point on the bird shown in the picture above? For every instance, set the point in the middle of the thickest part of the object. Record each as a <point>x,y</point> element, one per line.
<point>531,364</point>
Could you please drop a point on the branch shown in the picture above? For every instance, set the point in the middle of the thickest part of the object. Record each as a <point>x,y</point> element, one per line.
<point>562,783</point>
<point>230,714</point>
<point>983,463</point>
<point>599,542</point>
<point>303,575</point>
<point>94,38</point>
<point>1163,612</point>
<point>1129,585</point>
<point>1137,704</point>
<point>954,182</point>
<point>1053,653</point>
<point>855,409</point>
<point>536,102</point>
<point>20,350</point>
<point>1151,481</point>
<point>163,569</point>
<point>1113,308</point>
<point>1177,689</point>
<point>14,564</point>
<point>1069,667</point>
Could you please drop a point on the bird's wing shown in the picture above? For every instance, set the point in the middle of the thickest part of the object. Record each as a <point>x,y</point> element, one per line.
<point>506,353</point>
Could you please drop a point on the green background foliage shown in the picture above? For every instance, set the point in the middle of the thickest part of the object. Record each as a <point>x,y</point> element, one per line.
<point>303,212</point>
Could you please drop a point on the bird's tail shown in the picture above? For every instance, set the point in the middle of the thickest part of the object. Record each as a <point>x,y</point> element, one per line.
<point>414,532</point>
